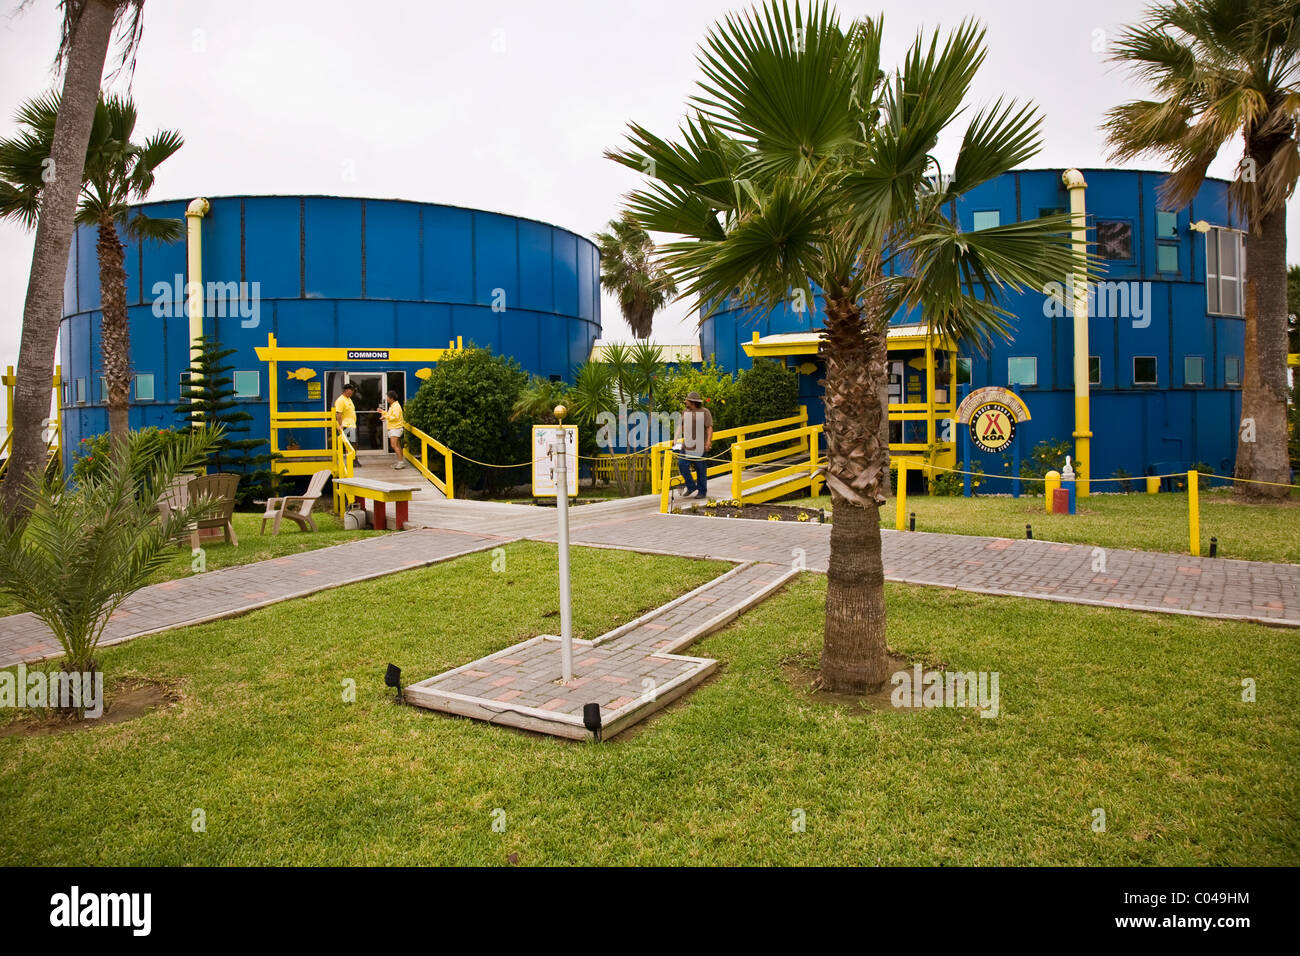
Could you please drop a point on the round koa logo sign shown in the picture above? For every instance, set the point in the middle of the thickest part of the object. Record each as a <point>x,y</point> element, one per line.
<point>992,426</point>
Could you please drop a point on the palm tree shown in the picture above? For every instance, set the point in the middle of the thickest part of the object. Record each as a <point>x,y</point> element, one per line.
<point>803,166</point>
<point>87,31</point>
<point>117,172</point>
<point>1225,68</point>
<point>629,270</point>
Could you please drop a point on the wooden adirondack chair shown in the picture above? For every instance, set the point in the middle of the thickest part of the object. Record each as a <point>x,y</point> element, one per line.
<point>297,508</point>
<point>220,489</point>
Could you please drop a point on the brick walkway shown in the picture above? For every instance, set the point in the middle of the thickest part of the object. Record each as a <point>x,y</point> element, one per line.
<point>230,591</point>
<point>629,672</point>
<point>1136,580</point>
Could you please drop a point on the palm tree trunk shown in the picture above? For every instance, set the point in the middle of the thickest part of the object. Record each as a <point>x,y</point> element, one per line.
<point>854,651</point>
<point>1264,385</point>
<point>44,304</point>
<point>115,335</point>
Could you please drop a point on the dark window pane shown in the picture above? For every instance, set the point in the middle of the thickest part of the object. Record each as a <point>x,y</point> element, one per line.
<point>1144,370</point>
<point>1114,239</point>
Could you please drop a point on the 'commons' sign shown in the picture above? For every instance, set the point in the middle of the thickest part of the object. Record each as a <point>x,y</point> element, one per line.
<point>367,354</point>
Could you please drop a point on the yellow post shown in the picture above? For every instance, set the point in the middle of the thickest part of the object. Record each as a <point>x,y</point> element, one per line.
<point>1074,182</point>
<point>1194,511</point>
<point>929,390</point>
<point>273,391</point>
<point>447,459</point>
<point>812,464</point>
<point>1153,485</point>
<point>900,496</point>
<point>665,484</point>
<point>1051,481</point>
<point>737,461</point>
<point>194,214</point>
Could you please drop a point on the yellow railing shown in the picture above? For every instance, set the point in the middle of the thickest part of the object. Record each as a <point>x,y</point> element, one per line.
<point>339,452</point>
<point>755,445</point>
<point>629,467</point>
<point>658,472</point>
<point>445,484</point>
<point>54,443</point>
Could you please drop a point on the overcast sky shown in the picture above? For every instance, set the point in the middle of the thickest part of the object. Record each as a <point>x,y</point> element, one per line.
<point>505,106</point>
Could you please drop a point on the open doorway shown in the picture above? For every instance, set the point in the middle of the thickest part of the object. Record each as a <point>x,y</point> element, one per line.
<point>371,388</point>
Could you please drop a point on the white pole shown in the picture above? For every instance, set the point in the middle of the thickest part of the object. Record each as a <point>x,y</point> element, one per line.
<point>562,507</point>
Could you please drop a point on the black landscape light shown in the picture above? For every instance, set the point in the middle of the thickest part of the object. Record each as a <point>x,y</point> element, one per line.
<point>822,518</point>
<point>1029,532</point>
<point>393,678</point>
<point>591,719</point>
<point>1214,547</point>
<point>911,521</point>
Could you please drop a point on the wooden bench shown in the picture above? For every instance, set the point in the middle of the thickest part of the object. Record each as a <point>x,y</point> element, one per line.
<point>380,492</point>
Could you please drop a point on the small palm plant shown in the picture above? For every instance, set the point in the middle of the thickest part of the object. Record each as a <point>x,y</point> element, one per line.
<point>80,551</point>
<point>117,173</point>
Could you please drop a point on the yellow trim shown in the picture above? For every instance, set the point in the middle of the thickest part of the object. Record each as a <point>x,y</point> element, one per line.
<point>1293,359</point>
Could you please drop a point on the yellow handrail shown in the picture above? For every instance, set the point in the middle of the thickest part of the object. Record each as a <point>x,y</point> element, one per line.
<point>741,432</point>
<point>445,484</point>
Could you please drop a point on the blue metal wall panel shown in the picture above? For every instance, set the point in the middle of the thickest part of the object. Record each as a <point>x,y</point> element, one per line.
<point>588,282</point>
<point>448,254</point>
<point>566,273</point>
<point>496,260</point>
<point>423,325</point>
<point>272,245</point>
<point>87,269</point>
<point>536,270</point>
<point>332,230</point>
<point>392,250</point>
<point>366,324</point>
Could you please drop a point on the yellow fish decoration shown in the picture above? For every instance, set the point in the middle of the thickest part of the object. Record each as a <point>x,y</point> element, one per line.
<point>423,373</point>
<point>302,374</point>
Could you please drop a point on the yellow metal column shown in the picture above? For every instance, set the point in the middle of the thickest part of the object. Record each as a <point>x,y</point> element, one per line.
<point>929,390</point>
<point>273,392</point>
<point>900,497</point>
<point>1194,512</point>
<point>1074,182</point>
<point>194,214</point>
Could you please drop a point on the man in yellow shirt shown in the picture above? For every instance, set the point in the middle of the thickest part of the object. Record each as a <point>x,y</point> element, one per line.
<point>345,413</point>
<point>394,426</point>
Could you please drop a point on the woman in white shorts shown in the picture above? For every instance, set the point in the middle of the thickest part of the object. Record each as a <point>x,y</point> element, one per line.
<point>395,426</point>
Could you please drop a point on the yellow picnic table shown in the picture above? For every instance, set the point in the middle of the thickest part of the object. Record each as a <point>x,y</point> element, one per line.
<point>380,492</point>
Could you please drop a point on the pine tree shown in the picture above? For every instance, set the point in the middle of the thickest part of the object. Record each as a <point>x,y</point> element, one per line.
<point>209,398</point>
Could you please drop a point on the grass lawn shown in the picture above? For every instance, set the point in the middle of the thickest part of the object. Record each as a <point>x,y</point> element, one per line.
<point>252,547</point>
<point>1264,532</point>
<point>1139,715</point>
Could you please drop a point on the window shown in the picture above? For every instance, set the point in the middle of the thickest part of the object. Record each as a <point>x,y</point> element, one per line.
<point>1225,265</point>
<point>1166,257</point>
<point>1022,370</point>
<point>65,393</point>
<point>1232,370</point>
<point>1144,370</point>
<point>986,219</point>
<point>144,387</point>
<point>1193,370</point>
<point>248,384</point>
<point>1166,224</point>
<point>1115,240</point>
<point>1094,369</point>
<point>103,390</point>
<point>81,391</point>
<point>1046,211</point>
<point>963,371</point>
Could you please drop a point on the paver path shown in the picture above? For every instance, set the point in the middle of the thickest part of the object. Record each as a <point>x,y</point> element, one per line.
<point>229,591</point>
<point>1137,580</point>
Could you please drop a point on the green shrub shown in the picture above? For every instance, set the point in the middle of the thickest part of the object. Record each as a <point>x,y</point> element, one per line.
<point>765,392</point>
<point>1044,457</point>
<point>90,461</point>
<point>467,403</point>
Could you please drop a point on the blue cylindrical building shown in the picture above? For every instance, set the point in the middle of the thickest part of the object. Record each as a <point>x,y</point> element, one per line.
<point>326,272</point>
<point>1165,333</point>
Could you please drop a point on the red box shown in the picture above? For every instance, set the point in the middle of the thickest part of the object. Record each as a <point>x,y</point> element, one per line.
<point>1060,502</point>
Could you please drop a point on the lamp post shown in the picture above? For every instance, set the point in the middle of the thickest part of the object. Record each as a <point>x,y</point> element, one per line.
<point>1075,185</point>
<point>562,509</point>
